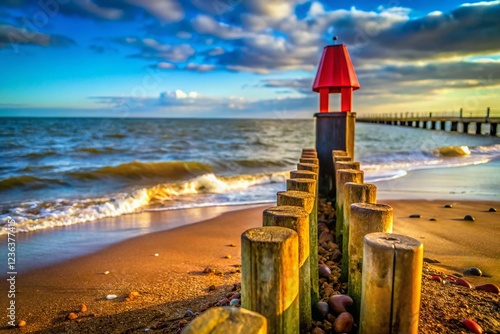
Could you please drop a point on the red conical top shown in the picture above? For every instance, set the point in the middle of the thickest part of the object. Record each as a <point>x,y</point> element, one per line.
<point>335,70</point>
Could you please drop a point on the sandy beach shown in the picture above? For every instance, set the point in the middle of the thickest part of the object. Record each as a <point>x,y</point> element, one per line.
<point>173,282</point>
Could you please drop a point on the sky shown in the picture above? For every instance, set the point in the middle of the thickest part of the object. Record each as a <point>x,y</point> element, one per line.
<point>242,58</point>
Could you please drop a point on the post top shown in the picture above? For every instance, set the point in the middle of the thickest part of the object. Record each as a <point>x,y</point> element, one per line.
<point>335,70</point>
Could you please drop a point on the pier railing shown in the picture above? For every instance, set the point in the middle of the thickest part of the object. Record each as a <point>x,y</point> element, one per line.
<point>280,270</point>
<point>484,114</point>
<point>482,122</point>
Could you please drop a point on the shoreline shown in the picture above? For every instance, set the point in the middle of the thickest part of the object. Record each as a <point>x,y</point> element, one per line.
<point>173,282</point>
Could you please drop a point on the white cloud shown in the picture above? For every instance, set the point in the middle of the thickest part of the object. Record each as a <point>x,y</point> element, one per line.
<point>316,9</point>
<point>200,67</point>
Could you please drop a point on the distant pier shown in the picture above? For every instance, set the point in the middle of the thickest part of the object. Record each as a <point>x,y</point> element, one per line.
<point>483,122</point>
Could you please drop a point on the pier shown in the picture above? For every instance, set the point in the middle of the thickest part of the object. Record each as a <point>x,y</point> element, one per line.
<point>484,122</point>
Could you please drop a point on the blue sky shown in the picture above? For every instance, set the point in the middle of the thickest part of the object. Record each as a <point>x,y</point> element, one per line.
<point>242,58</point>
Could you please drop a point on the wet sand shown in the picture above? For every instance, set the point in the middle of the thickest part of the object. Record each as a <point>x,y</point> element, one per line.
<point>173,281</point>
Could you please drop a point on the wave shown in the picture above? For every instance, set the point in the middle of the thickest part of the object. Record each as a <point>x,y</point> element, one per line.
<point>443,157</point>
<point>259,163</point>
<point>173,170</point>
<point>42,215</point>
<point>36,155</point>
<point>116,135</point>
<point>26,181</point>
<point>452,151</point>
<point>93,150</point>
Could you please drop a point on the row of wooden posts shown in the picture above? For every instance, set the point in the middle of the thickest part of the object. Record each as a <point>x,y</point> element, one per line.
<point>279,275</point>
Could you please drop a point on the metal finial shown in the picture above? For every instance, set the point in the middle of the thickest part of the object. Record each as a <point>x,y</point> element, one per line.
<point>335,40</point>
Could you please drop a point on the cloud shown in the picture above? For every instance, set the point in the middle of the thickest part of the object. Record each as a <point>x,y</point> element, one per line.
<point>463,31</point>
<point>150,48</point>
<point>200,67</point>
<point>11,36</point>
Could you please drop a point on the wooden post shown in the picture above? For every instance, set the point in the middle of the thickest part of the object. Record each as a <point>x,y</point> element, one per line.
<point>297,198</point>
<point>310,186</point>
<point>269,276</point>
<point>365,218</point>
<point>392,277</point>
<point>303,174</point>
<point>346,165</point>
<point>227,320</point>
<point>334,131</point>
<point>297,219</point>
<point>339,153</point>
<point>309,150</point>
<point>353,193</point>
<point>343,176</point>
<point>309,161</point>
<point>310,167</point>
<point>337,156</point>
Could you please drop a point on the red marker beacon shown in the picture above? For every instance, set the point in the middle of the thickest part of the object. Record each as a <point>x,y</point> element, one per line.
<point>335,75</point>
<point>334,130</point>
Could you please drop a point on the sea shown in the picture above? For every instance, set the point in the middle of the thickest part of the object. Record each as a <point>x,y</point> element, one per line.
<point>57,172</point>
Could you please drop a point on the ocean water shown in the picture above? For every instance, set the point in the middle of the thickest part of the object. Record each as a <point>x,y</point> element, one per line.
<point>60,172</point>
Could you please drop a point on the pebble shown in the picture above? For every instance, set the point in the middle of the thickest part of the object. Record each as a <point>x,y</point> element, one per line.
<point>475,271</point>
<point>132,295</point>
<point>208,270</point>
<point>433,219</point>
<point>211,288</point>
<point>325,237</point>
<point>469,218</point>
<point>232,245</point>
<point>489,288</point>
<point>106,272</point>
<point>71,316</point>
<point>323,308</point>
<point>111,297</point>
<point>317,330</point>
<point>324,271</point>
<point>415,216</point>
<point>337,256</point>
<point>492,210</point>
<point>83,308</point>
<point>156,254</point>
<point>234,302</point>
<point>21,323</point>
<point>188,313</point>
<point>448,206</point>
<point>228,256</point>
<point>472,326</point>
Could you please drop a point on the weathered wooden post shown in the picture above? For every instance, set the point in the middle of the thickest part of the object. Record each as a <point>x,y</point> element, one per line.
<point>353,193</point>
<point>269,276</point>
<point>309,160</point>
<point>310,186</point>
<point>337,156</point>
<point>339,153</point>
<point>303,174</point>
<point>392,277</point>
<point>346,165</point>
<point>343,176</point>
<point>297,219</point>
<point>227,320</point>
<point>310,167</point>
<point>334,130</point>
<point>365,218</point>
<point>297,198</point>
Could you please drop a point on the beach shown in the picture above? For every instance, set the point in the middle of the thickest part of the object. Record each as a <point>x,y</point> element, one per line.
<point>173,282</point>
